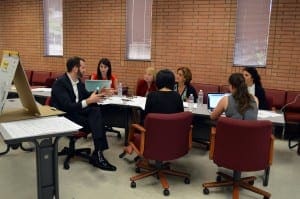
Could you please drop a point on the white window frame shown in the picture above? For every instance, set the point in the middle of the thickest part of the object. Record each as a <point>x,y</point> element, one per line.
<point>138,29</point>
<point>252,31</point>
<point>53,27</point>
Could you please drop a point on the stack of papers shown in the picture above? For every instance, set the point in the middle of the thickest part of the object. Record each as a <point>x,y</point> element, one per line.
<point>37,127</point>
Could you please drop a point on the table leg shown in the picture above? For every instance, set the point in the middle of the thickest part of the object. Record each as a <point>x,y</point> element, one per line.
<point>47,168</point>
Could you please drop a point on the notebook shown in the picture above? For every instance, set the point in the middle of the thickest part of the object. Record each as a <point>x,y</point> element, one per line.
<point>213,100</point>
<point>92,85</point>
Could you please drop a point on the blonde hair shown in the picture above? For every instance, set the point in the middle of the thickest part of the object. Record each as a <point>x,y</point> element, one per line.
<point>151,70</point>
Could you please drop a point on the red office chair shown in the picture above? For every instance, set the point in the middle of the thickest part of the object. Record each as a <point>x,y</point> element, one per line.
<point>164,137</point>
<point>71,150</point>
<point>241,145</point>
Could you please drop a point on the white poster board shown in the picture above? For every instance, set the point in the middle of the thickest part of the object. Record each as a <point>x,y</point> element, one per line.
<point>9,63</point>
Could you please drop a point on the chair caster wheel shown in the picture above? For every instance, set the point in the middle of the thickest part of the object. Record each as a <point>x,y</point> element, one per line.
<point>206,191</point>
<point>122,155</point>
<point>136,158</point>
<point>133,184</point>
<point>66,166</point>
<point>251,182</point>
<point>219,179</point>
<point>187,181</point>
<point>166,192</point>
<point>137,170</point>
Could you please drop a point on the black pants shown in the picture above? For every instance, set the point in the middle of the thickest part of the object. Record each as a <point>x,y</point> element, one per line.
<point>90,118</point>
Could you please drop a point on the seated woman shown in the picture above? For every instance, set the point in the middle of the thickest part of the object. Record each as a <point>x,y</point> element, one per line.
<point>104,72</point>
<point>146,85</point>
<point>254,84</point>
<point>240,104</point>
<point>164,100</point>
<point>183,85</point>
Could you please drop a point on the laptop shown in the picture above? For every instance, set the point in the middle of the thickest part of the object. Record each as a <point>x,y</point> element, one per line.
<point>92,85</point>
<point>213,100</point>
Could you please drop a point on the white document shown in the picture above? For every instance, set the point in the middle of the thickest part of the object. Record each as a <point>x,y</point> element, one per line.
<point>41,89</point>
<point>266,114</point>
<point>37,127</point>
<point>129,101</point>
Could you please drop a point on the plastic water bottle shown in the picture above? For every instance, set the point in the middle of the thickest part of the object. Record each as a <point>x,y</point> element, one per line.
<point>120,91</point>
<point>200,99</point>
<point>191,101</point>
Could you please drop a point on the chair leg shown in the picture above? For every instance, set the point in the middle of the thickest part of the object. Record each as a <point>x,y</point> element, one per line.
<point>71,152</point>
<point>163,180</point>
<point>255,189</point>
<point>292,145</point>
<point>266,178</point>
<point>6,151</point>
<point>144,175</point>
<point>236,182</point>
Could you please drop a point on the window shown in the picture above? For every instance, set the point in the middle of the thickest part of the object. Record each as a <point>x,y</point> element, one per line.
<point>252,31</point>
<point>138,29</point>
<point>53,27</point>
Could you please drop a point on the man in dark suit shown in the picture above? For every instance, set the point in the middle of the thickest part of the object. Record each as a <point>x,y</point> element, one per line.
<point>69,95</point>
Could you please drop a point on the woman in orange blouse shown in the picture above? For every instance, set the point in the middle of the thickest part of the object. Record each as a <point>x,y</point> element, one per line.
<point>104,73</point>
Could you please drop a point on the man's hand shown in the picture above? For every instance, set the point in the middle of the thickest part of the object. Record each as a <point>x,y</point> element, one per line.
<point>94,98</point>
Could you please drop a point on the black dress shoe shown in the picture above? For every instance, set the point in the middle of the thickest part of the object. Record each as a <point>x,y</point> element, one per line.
<point>98,160</point>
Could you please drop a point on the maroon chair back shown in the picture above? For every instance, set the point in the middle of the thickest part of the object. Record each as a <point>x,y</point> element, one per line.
<point>278,97</point>
<point>39,78</point>
<point>207,88</point>
<point>242,145</point>
<point>28,75</point>
<point>224,89</point>
<point>167,135</point>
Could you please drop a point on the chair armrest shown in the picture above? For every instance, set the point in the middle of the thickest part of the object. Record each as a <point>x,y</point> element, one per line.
<point>191,137</point>
<point>271,149</point>
<point>212,142</point>
<point>136,128</point>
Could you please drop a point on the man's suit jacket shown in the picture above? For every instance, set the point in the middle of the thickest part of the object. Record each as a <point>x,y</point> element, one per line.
<point>63,96</point>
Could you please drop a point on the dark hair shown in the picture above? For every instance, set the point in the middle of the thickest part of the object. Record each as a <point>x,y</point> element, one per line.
<point>254,74</point>
<point>187,74</point>
<point>242,96</point>
<point>107,63</point>
<point>165,78</point>
<point>73,62</point>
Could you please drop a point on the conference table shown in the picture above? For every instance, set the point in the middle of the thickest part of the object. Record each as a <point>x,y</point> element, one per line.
<point>138,102</point>
<point>45,133</point>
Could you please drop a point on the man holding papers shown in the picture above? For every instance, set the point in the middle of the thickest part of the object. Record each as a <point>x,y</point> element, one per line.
<point>70,95</point>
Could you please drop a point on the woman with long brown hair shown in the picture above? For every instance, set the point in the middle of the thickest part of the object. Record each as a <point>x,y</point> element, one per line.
<point>240,104</point>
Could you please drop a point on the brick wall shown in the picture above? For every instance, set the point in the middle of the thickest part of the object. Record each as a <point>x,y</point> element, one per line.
<point>194,33</point>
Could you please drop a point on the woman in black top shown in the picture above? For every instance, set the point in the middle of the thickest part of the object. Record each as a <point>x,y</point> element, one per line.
<point>165,100</point>
<point>183,85</point>
<point>255,88</point>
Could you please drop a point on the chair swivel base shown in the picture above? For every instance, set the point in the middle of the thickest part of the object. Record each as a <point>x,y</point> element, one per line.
<point>14,147</point>
<point>83,153</point>
<point>160,172</point>
<point>246,183</point>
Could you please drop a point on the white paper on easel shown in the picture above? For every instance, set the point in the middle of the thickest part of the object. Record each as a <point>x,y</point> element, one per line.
<point>8,66</point>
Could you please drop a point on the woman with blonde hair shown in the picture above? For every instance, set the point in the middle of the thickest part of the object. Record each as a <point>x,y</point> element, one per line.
<point>147,84</point>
